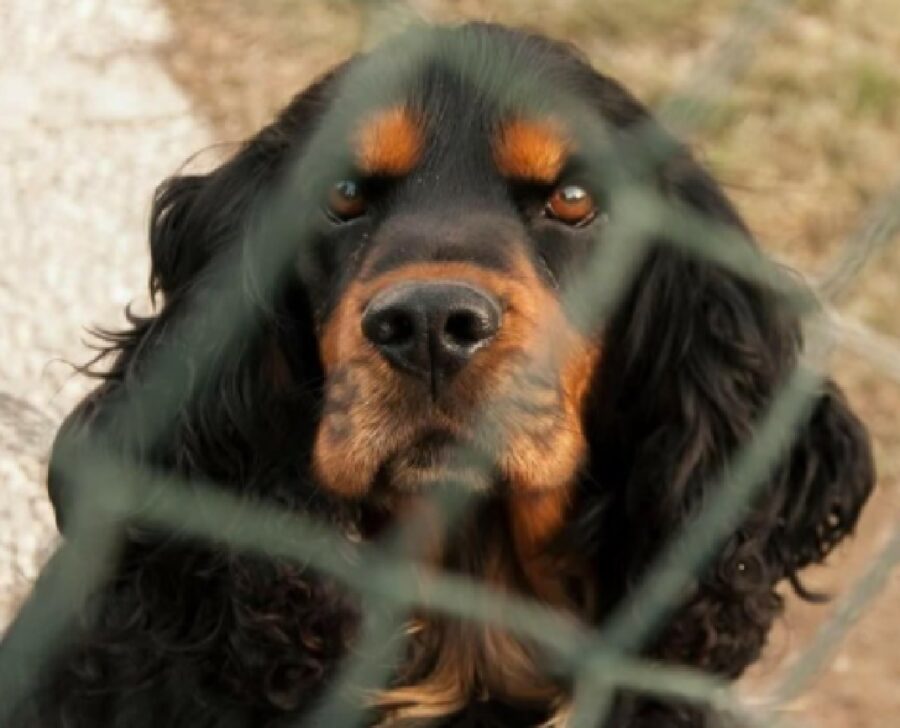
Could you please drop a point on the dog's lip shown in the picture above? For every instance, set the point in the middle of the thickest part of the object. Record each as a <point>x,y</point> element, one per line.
<point>437,454</point>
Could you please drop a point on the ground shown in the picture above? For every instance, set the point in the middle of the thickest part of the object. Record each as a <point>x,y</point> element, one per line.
<point>806,139</point>
<point>90,121</point>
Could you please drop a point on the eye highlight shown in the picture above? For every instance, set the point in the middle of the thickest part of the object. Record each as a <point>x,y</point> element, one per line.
<point>571,204</point>
<point>346,200</point>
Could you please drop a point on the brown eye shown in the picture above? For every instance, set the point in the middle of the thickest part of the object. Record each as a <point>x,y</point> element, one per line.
<point>571,204</point>
<point>346,200</point>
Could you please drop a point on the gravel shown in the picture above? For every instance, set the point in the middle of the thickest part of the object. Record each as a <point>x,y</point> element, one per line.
<point>89,124</point>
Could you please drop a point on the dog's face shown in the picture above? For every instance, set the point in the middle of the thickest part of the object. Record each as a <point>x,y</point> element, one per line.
<point>448,352</point>
<point>447,349</point>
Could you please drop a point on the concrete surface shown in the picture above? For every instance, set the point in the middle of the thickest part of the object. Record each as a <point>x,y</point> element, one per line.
<point>89,124</point>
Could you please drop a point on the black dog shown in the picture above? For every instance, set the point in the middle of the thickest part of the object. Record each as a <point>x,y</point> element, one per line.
<point>426,312</point>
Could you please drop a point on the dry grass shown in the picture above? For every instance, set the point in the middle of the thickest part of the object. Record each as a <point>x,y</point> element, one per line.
<point>805,141</point>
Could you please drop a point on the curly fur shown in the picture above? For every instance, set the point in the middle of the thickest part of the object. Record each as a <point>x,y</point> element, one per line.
<point>193,634</point>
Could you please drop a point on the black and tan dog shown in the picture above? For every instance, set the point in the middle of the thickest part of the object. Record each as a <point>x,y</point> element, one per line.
<point>428,316</point>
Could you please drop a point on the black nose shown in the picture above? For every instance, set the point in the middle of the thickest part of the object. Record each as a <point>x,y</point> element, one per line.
<point>431,330</point>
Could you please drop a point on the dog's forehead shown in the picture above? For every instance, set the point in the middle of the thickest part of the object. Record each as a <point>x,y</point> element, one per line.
<point>444,121</point>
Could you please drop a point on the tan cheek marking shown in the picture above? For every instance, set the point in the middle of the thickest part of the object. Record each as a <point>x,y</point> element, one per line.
<point>340,464</point>
<point>534,520</point>
<point>532,150</point>
<point>541,470</point>
<point>549,461</point>
<point>340,339</point>
<point>536,517</point>
<point>546,468</point>
<point>389,142</point>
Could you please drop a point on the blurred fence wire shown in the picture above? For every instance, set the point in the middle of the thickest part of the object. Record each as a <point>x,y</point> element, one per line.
<point>388,576</point>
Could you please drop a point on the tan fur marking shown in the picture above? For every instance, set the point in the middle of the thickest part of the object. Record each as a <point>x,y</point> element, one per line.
<point>389,142</point>
<point>532,150</point>
<point>461,661</point>
<point>536,518</point>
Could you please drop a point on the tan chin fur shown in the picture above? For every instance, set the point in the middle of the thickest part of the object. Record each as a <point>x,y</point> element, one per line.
<point>560,718</point>
<point>472,663</point>
<point>452,663</point>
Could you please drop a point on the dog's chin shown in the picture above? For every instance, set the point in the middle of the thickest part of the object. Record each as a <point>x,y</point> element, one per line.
<point>412,482</point>
<point>438,460</point>
<point>406,480</point>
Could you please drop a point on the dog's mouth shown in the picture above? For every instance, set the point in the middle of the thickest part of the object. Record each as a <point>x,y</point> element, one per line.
<point>412,481</point>
<point>439,458</point>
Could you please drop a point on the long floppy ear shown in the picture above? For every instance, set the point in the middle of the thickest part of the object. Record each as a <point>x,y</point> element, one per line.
<point>822,487</point>
<point>229,412</point>
<point>693,358</point>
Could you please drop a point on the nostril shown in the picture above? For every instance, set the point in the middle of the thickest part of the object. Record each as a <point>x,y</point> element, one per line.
<point>468,328</point>
<point>391,328</point>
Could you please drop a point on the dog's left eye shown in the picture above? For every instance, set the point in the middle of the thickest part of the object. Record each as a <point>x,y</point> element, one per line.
<point>571,204</point>
<point>346,200</point>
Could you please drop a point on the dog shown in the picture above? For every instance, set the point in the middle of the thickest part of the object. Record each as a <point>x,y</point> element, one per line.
<point>426,313</point>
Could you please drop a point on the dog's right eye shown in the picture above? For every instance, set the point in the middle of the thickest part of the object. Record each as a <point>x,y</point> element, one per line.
<point>346,200</point>
<point>572,205</point>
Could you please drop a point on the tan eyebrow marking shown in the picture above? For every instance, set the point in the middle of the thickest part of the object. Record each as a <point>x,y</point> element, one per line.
<point>389,142</point>
<point>532,150</point>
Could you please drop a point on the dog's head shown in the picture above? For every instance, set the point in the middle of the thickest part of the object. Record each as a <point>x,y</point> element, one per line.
<point>422,330</point>
<point>444,338</point>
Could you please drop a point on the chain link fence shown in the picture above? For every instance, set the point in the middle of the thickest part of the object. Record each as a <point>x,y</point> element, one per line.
<point>388,579</point>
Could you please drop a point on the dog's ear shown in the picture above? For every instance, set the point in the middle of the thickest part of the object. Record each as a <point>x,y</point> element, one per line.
<point>177,250</point>
<point>822,487</point>
<point>693,358</point>
<point>217,411</point>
